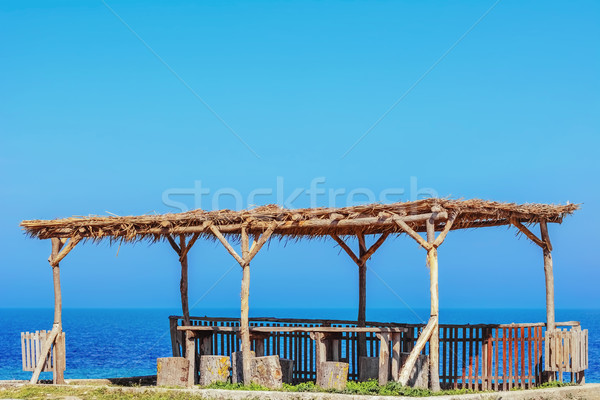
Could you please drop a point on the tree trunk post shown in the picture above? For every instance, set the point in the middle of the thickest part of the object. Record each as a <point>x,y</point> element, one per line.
<point>190,345</point>
<point>244,324</point>
<point>549,275</point>
<point>59,350</point>
<point>362,298</point>
<point>434,345</point>
<point>183,283</point>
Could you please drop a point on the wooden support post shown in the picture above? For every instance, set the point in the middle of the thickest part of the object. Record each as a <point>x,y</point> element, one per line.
<point>174,335</point>
<point>248,254</point>
<point>244,323</point>
<point>384,358</point>
<point>361,261</point>
<point>434,344</point>
<point>183,283</point>
<point>549,274</point>
<point>58,376</point>
<point>362,297</point>
<point>320,348</point>
<point>431,331</point>
<point>182,250</point>
<point>396,343</point>
<point>191,357</point>
<point>55,337</point>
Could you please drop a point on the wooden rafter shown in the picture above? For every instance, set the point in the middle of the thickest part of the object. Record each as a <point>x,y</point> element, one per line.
<point>365,253</point>
<point>524,230</point>
<point>545,236</point>
<point>346,248</point>
<point>373,248</point>
<point>173,244</point>
<point>442,235</point>
<point>258,244</point>
<point>188,246</point>
<point>65,250</point>
<point>410,232</point>
<point>226,244</point>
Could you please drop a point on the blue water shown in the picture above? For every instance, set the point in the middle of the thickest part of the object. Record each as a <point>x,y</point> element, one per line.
<point>122,342</point>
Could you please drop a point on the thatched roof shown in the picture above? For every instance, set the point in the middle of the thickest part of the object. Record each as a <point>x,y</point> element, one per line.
<point>294,223</point>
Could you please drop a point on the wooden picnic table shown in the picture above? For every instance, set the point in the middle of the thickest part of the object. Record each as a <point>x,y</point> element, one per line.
<point>326,340</point>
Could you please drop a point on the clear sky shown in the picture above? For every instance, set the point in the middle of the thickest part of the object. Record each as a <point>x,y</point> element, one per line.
<point>126,106</point>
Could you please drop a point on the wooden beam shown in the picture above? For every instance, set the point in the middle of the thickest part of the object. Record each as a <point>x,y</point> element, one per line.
<point>174,245</point>
<point>396,344</point>
<point>346,248</point>
<point>183,283</point>
<point>258,244</point>
<point>361,318</point>
<point>58,253</point>
<point>440,239</point>
<point>324,223</point>
<point>414,354</point>
<point>225,243</point>
<point>56,258</point>
<point>527,233</point>
<point>549,277</point>
<point>191,357</point>
<point>366,255</point>
<point>244,323</point>
<point>362,244</point>
<point>189,245</point>
<point>322,329</point>
<point>384,358</point>
<point>434,340</point>
<point>544,235</point>
<point>410,232</point>
<point>361,261</point>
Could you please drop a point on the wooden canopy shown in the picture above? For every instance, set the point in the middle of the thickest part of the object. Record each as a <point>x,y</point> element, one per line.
<point>254,227</point>
<point>308,222</point>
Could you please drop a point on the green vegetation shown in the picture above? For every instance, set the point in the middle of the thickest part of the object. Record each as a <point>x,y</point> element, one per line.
<point>91,393</point>
<point>49,392</point>
<point>555,384</point>
<point>367,388</point>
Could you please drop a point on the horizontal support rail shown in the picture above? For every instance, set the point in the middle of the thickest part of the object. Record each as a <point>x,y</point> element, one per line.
<point>322,329</point>
<point>374,323</point>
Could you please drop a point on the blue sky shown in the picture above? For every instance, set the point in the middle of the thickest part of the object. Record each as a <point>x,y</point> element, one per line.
<point>106,106</point>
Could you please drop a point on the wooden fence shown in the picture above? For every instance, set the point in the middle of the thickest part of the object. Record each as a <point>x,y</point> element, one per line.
<point>568,352</point>
<point>479,357</point>
<point>31,348</point>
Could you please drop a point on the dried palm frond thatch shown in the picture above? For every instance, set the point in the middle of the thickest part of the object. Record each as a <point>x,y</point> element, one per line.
<point>297,223</point>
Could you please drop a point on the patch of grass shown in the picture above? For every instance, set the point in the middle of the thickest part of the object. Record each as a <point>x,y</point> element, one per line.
<point>555,384</point>
<point>49,392</point>
<point>371,387</point>
<point>91,393</point>
<point>235,386</point>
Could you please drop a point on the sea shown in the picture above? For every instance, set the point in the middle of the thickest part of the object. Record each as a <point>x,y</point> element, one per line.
<point>110,343</point>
